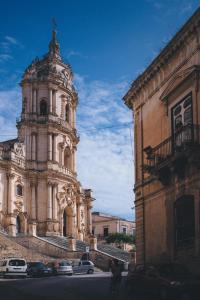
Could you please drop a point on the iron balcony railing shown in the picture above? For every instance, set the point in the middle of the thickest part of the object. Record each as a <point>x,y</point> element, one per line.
<point>184,139</point>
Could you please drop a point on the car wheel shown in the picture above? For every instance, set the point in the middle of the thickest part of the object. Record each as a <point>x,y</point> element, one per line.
<point>69,274</point>
<point>90,271</point>
<point>163,293</point>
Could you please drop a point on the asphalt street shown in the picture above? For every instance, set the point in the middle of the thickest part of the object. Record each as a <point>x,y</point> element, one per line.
<point>95,286</point>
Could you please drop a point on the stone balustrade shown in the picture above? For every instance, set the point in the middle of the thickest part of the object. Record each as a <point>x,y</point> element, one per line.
<point>61,169</point>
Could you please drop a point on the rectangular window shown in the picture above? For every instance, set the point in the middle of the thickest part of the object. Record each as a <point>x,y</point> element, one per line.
<point>105,231</point>
<point>182,122</point>
<point>124,230</point>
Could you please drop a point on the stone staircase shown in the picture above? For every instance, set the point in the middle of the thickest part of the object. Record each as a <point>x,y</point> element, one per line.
<point>46,248</point>
<point>109,250</point>
<point>63,242</point>
<point>114,252</point>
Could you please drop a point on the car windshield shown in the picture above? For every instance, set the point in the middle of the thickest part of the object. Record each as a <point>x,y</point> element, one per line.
<point>36,264</point>
<point>64,263</point>
<point>17,262</point>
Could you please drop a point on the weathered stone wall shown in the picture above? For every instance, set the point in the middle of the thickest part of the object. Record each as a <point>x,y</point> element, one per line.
<point>9,248</point>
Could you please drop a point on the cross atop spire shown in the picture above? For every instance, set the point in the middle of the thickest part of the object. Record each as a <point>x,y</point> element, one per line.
<point>54,47</point>
<point>54,24</point>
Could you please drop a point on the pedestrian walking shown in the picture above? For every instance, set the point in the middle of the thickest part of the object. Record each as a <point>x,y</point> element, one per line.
<point>116,270</point>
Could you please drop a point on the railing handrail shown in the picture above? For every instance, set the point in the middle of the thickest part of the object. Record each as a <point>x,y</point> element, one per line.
<point>189,133</point>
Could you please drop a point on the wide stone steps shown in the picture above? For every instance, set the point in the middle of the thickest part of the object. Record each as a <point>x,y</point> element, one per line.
<point>114,252</point>
<point>63,242</point>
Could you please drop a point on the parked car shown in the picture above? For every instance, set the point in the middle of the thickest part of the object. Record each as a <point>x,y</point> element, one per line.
<point>37,269</point>
<point>10,267</point>
<point>64,267</point>
<point>169,281</point>
<point>83,266</point>
<point>53,266</point>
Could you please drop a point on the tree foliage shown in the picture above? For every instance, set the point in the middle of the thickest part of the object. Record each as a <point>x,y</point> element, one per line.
<point>120,238</point>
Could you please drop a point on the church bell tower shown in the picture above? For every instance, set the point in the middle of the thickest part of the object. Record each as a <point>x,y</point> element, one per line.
<point>47,127</point>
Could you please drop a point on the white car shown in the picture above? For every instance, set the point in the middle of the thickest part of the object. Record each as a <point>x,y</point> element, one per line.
<point>13,267</point>
<point>84,266</point>
<point>65,268</point>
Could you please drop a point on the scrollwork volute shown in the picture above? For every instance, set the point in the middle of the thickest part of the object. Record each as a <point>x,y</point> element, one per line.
<point>67,196</point>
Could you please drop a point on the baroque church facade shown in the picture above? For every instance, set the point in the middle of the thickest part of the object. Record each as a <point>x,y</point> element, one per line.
<point>39,190</point>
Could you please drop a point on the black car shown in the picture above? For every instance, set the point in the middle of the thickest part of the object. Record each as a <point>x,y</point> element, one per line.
<point>38,269</point>
<point>168,281</point>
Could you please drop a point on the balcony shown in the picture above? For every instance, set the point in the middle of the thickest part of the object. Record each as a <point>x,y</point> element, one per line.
<point>43,119</point>
<point>61,169</point>
<point>174,154</point>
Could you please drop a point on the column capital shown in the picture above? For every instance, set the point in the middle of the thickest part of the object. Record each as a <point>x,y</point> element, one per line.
<point>10,175</point>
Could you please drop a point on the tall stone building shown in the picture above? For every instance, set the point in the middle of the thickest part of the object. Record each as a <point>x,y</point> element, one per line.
<point>165,100</point>
<point>39,191</point>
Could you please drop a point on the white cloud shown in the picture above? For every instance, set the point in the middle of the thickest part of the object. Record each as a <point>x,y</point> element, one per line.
<point>76,53</point>
<point>10,105</point>
<point>105,161</point>
<point>5,57</point>
<point>13,41</point>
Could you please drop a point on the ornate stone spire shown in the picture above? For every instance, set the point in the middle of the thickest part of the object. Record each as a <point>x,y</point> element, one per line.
<point>54,47</point>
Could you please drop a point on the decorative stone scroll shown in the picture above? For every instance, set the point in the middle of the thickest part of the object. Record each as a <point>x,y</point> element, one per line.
<point>19,149</point>
<point>67,196</point>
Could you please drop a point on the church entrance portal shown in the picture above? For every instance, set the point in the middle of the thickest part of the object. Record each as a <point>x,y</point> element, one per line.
<point>18,225</point>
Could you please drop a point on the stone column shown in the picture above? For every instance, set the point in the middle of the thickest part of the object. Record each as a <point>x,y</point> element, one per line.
<point>11,195</point>
<point>55,207</point>
<point>33,148</point>
<point>11,219</point>
<point>50,101</point>
<point>49,146</point>
<point>49,201</point>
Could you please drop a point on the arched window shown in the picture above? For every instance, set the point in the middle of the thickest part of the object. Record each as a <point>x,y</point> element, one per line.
<point>67,158</point>
<point>19,190</point>
<point>43,107</point>
<point>67,113</point>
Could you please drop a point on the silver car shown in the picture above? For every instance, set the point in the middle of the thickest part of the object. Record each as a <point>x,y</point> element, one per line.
<point>65,268</point>
<point>83,267</point>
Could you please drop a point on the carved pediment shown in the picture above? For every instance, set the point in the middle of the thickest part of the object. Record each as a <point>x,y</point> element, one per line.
<point>177,79</point>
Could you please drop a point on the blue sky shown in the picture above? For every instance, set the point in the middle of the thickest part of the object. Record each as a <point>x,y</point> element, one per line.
<point>108,44</point>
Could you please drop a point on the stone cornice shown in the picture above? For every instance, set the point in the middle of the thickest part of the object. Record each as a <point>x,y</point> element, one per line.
<point>176,43</point>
